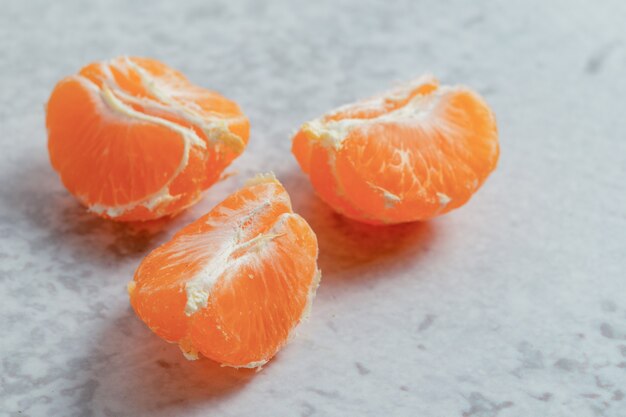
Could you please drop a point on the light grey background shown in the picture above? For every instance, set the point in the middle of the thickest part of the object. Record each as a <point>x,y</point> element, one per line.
<point>514,305</point>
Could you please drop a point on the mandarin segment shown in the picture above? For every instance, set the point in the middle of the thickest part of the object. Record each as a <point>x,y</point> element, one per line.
<point>133,139</point>
<point>232,285</point>
<point>413,153</point>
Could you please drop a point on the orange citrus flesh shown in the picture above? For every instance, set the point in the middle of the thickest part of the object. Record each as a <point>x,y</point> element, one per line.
<point>233,284</point>
<point>133,139</point>
<point>410,154</point>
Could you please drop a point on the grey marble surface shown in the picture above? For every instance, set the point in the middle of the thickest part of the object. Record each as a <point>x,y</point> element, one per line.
<point>514,305</point>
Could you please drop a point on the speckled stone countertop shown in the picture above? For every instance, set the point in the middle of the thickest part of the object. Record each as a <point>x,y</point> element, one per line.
<point>514,305</point>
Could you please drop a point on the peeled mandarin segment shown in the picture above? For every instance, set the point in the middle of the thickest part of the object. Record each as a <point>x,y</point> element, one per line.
<point>133,139</point>
<point>233,284</point>
<point>410,154</point>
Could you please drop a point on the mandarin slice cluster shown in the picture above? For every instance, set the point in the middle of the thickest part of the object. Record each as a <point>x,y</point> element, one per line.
<point>410,154</point>
<point>233,284</point>
<point>133,140</point>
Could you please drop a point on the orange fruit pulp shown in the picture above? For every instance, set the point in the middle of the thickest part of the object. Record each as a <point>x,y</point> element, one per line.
<point>133,139</point>
<point>233,284</point>
<point>412,153</point>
